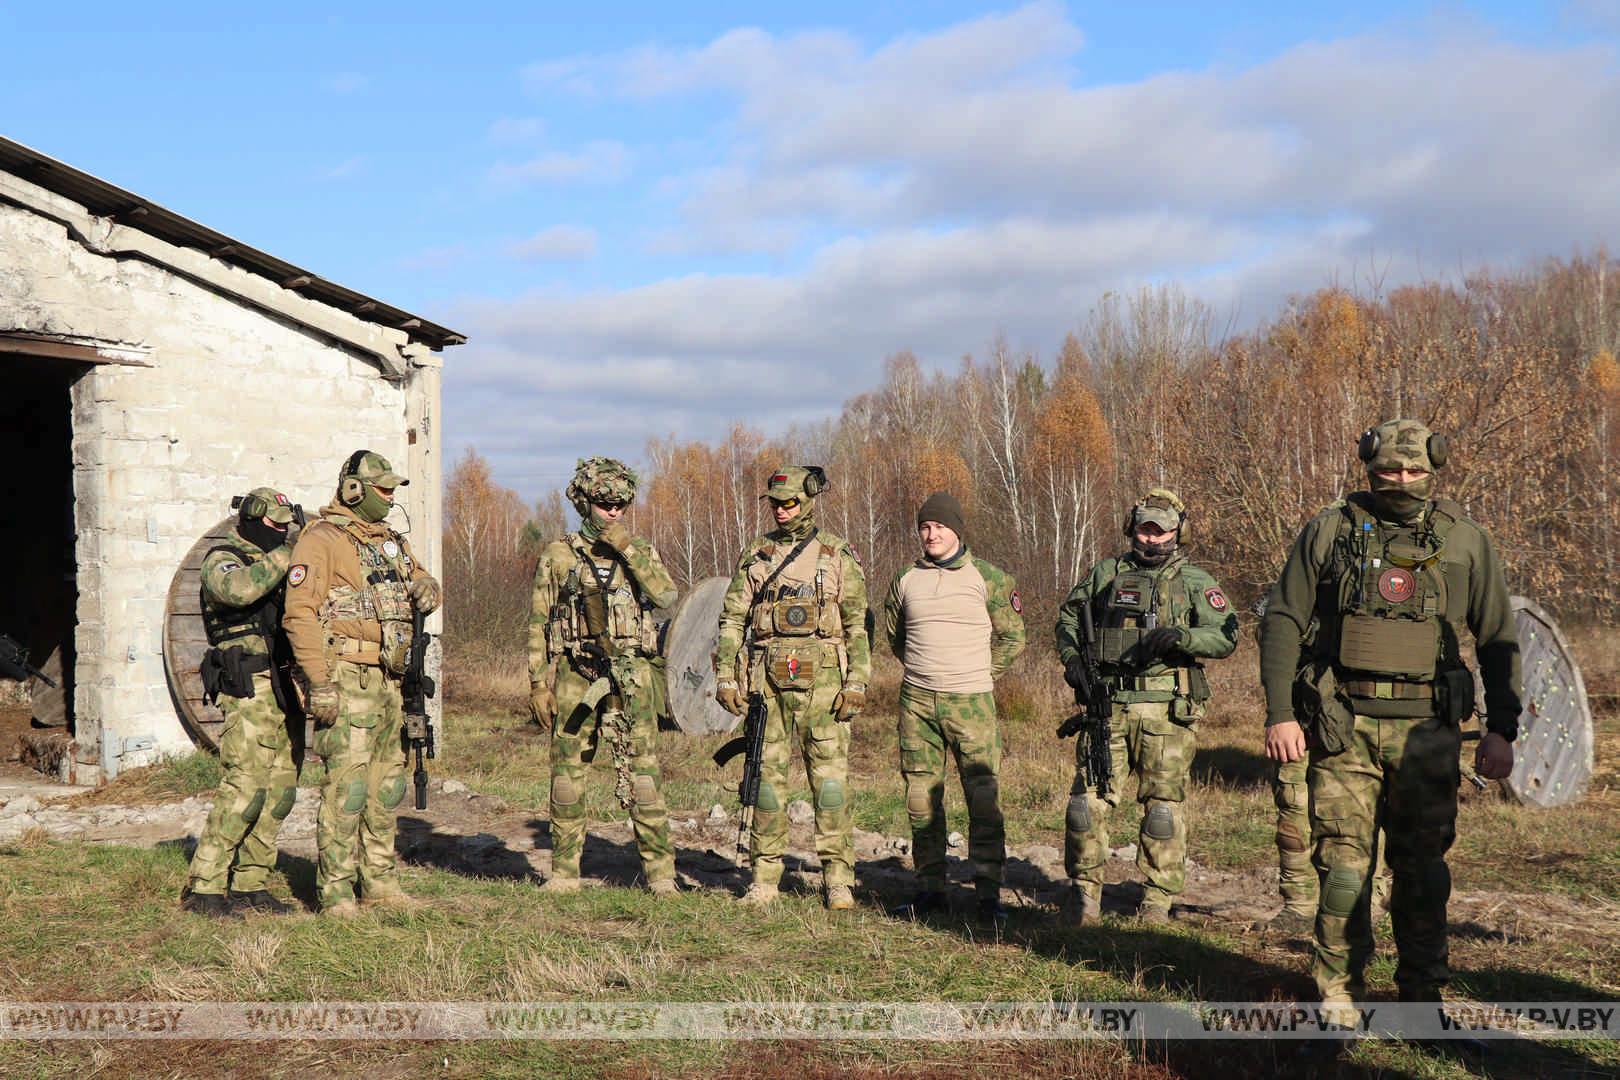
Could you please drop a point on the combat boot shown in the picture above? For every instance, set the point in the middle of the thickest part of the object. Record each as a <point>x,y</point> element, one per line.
<point>990,914</point>
<point>1154,914</point>
<point>1081,908</point>
<point>760,893</point>
<point>839,898</point>
<point>395,901</point>
<point>662,887</point>
<point>923,904</point>
<point>260,900</point>
<point>560,883</point>
<point>343,909</point>
<point>1291,924</point>
<point>214,905</point>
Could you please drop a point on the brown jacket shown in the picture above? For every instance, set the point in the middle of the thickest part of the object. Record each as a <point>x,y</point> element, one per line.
<point>325,558</point>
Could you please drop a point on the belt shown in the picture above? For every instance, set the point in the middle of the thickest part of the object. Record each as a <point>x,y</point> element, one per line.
<point>1389,689</point>
<point>356,651</point>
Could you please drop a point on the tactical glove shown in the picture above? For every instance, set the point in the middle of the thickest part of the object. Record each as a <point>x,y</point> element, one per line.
<point>730,698</point>
<point>616,536</point>
<point>1074,673</point>
<point>1158,643</point>
<point>542,703</point>
<point>849,703</point>
<point>426,594</point>
<point>323,704</point>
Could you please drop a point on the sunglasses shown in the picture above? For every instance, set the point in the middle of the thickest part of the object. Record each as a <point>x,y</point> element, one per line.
<point>787,504</point>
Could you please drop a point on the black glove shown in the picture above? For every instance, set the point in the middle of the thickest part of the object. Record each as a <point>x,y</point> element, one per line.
<point>1156,643</point>
<point>1074,673</point>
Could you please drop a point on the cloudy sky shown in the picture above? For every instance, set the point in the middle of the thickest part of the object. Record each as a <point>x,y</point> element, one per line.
<point>652,224</point>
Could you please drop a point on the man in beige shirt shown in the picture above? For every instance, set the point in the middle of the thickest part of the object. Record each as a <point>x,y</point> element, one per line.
<point>956,623</point>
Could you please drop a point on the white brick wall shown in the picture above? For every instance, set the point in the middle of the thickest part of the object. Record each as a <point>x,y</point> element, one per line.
<point>236,397</point>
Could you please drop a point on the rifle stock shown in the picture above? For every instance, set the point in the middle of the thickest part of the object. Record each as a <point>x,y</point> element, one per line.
<point>14,662</point>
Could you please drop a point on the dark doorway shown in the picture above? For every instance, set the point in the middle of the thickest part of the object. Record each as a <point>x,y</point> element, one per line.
<point>38,597</point>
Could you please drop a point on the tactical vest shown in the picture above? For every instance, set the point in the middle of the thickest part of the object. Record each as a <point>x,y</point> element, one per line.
<point>252,627</point>
<point>1390,617</point>
<point>798,607</point>
<point>385,599</point>
<point>600,599</point>
<point>1135,601</point>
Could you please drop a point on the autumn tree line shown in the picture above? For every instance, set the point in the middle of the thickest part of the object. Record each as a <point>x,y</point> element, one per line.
<point>1255,430</point>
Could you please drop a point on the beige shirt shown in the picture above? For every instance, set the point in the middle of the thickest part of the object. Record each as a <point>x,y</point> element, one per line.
<point>947,620</point>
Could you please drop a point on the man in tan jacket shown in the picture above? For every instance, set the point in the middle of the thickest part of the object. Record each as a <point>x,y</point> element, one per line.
<point>351,594</point>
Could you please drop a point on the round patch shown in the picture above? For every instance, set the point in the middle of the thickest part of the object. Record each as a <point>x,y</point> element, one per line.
<point>1216,598</point>
<point>390,549</point>
<point>1017,603</point>
<point>295,576</point>
<point>796,616</point>
<point>1396,585</point>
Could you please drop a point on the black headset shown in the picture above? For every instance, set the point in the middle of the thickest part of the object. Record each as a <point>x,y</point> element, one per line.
<point>816,480</point>
<point>350,489</point>
<point>1437,448</point>
<point>252,506</point>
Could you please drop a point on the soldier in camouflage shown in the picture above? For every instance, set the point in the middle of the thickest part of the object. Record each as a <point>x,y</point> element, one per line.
<point>955,622</point>
<point>793,627</point>
<point>592,645</point>
<point>1158,618</point>
<point>243,672</point>
<point>352,592</point>
<point>1360,645</point>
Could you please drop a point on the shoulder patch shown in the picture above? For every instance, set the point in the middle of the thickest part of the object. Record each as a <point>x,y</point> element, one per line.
<point>1216,598</point>
<point>296,576</point>
<point>228,565</point>
<point>849,547</point>
<point>1017,603</point>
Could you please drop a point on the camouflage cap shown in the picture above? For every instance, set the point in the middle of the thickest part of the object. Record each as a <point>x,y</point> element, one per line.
<point>371,468</point>
<point>267,502</point>
<point>795,482</point>
<point>603,480</point>
<point>1400,444</point>
<point>1162,507</point>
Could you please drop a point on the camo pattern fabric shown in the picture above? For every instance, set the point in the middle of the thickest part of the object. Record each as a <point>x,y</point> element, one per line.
<point>1296,877</point>
<point>631,733</point>
<point>803,719</point>
<point>237,849</point>
<point>1412,766</point>
<point>365,783</point>
<point>1160,751</point>
<point>935,725</point>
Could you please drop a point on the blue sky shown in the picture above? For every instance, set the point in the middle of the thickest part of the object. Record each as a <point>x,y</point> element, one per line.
<point>653,223</point>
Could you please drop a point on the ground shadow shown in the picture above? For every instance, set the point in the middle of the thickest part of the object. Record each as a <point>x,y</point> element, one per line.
<point>478,855</point>
<point>1228,766</point>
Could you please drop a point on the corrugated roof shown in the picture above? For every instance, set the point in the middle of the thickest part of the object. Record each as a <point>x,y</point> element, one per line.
<point>127,208</point>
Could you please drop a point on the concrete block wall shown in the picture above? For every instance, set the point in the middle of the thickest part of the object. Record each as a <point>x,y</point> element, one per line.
<point>235,397</point>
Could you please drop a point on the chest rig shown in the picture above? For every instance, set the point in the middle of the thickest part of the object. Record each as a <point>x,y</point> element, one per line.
<point>1139,599</point>
<point>252,627</point>
<point>385,598</point>
<point>599,600</point>
<point>1391,596</point>
<point>792,606</point>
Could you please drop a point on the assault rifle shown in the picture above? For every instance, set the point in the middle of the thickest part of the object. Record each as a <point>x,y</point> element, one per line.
<point>14,663</point>
<point>414,690</point>
<point>1094,721</point>
<point>751,743</point>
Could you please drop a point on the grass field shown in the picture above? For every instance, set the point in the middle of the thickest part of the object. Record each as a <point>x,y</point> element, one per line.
<point>85,922</point>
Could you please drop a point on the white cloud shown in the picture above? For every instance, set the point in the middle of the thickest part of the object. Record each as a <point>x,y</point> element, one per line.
<point>560,243</point>
<point>516,129</point>
<point>603,161</point>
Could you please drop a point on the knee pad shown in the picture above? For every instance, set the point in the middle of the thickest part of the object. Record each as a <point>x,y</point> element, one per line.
<point>1423,880</point>
<point>831,795</point>
<point>1341,891</point>
<point>255,807</point>
<point>355,800</point>
<point>919,801</point>
<point>1289,838</point>
<point>768,801</point>
<point>392,793</point>
<point>644,790</point>
<point>982,797</point>
<point>564,792</point>
<point>284,803</point>
<point>1079,815</point>
<point>1160,822</point>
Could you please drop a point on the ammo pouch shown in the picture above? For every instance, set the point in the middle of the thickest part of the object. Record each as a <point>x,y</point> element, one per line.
<point>1404,648</point>
<point>1322,706</point>
<point>792,665</point>
<point>1189,707</point>
<point>794,616</point>
<point>394,652</point>
<point>1115,643</point>
<point>1454,695</point>
<point>230,672</point>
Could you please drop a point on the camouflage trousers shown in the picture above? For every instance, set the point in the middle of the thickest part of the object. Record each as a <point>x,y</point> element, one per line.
<point>260,760</point>
<point>1401,776</point>
<point>1160,751</point>
<point>934,725</point>
<point>631,734</point>
<point>365,783</point>
<point>804,718</point>
<point>1296,877</point>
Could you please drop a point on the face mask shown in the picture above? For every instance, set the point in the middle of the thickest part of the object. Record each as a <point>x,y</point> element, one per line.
<point>1402,501</point>
<point>260,535</point>
<point>1153,554</point>
<point>372,507</point>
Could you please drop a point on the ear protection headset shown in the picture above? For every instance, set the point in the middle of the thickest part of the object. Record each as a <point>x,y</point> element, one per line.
<point>252,506</point>
<point>350,489</point>
<point>816,482</point>
<point>1129,528</point>
<point>1367,447</point>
